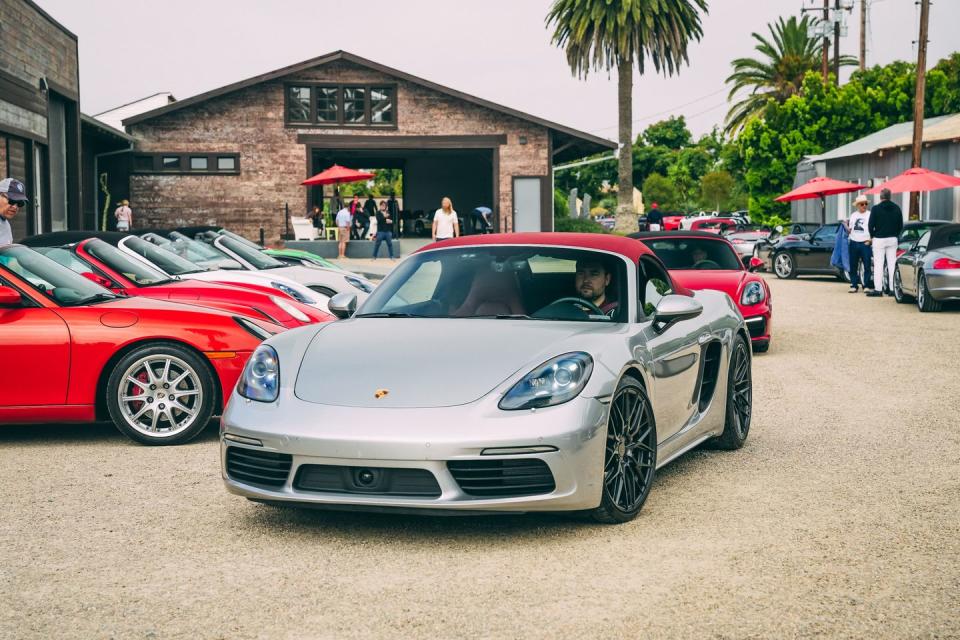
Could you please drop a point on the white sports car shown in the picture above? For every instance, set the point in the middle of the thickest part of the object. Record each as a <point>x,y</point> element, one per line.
<point>515,372</point>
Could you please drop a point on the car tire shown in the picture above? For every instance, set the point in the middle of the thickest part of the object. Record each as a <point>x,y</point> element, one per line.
<point>761,346</point>
<point>143,372</point>
<point>784,265</point>
<point>630,455</point>
<point>925,301</point>
<point>898,293</point>
<point>736,427</point>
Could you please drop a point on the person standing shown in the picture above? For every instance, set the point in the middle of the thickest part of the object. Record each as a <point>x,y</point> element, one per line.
<point>885,225</point>
<point>445,222</point>
<point>384,230</point>
<point>13,196</point>
<point>860,250</point>
<point>124,216</point>
<point>343,234</point>
<point>654,218</point>
<point>393,208</point>
<point>363,215</point>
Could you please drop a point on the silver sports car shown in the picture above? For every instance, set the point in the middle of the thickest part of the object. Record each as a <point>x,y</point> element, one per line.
<point>510,373</point>
<point>929,271</point>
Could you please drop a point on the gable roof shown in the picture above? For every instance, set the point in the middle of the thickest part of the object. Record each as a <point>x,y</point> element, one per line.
<point>589,142</point>
<point>897,135</point>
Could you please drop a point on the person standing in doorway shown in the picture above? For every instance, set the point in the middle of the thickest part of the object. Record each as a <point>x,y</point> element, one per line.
<point>654,218</point>
<point>370,212</point>
<point>393,209</point>
<point>13,196</point>
<point>885,225</point>
<point>860,250</point>
<point>344,222</point>
<point>124,216</point>
<point>384,230</point>
<point>445,222</point>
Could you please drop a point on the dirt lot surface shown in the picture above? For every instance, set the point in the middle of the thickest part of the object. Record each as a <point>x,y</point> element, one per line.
<point>840,517</point>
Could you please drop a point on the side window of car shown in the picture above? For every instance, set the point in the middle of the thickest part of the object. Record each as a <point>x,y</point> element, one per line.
<point>826,234</point>
<point>924,241</point>
<point>654,285</point>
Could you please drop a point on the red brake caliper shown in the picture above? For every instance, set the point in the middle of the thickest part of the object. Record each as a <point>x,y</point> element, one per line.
<point>136,390</point>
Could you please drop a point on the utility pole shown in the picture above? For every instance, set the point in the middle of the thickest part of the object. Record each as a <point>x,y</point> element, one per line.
<point>836,41</point>
<point>826,42</point>
<point>863,35</point>
<point>918,101</point>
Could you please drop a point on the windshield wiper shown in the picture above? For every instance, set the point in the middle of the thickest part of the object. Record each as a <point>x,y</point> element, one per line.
<point>97,297</point>
<point>388,314</point>
<point>506,316</point>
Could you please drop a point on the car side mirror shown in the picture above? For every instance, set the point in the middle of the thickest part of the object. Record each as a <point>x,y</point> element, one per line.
<point>674,308</point>
<point>343,305</point>
<point>778,228</point>
<point>754,264</point>
<point>806,236</point>
<point>10,297</point>
<point>100,280</point>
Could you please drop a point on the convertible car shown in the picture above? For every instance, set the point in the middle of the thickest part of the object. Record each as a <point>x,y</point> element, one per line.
<point>75,352</point>
<point>520,372</point>
<point>929,271</point>
<point>805,254</point>
<point>702,260</point>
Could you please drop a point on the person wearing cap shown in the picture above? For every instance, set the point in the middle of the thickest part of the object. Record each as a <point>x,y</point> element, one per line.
<point>13,196</point>
<point>885,225</point>
<point>860,250</point>
<point>654,218</point>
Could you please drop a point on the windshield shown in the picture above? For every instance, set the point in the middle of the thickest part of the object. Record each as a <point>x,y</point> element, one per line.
<point>239,238</point>
<point>256,257</point>
<point>196,252</point>
<point>695,253</point>
<point>130,268</point>
<point>165,260</point>
<point>532,283</point>
<point>53,280</point>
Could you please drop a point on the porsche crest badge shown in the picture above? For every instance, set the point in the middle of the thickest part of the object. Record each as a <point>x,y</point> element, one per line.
<point>380,393</point>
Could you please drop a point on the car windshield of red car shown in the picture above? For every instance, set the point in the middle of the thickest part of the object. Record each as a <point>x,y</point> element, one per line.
<point>53,280</point>
<point>694,254</point>
<point>130,268</point>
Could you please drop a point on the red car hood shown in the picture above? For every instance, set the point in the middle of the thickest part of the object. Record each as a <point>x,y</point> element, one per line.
<point>727,281</point>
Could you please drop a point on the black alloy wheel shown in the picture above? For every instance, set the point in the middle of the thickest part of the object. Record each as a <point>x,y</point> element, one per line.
<point>739,398</point>
<point>925,301</point>
<point>898,293</point>
<point>630,460</point>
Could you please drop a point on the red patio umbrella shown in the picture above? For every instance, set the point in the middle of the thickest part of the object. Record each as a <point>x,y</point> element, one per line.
<point>917,179</point>
<point>820,187</point>
<point>337,175</point>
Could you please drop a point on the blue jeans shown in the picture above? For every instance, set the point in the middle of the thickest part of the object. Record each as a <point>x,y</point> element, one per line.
<point>860,251</point>
<point>383,236</point>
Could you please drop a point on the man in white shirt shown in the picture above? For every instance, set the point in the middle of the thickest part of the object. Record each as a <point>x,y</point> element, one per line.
<point>859,243</point>
<point>13,195</point>
<point>344,220</point>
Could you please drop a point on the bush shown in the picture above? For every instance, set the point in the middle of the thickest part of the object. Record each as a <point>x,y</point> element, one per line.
<point>578,225</point>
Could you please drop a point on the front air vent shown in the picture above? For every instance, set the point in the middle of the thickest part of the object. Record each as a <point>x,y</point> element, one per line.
<point>263,468</point>
<point>711,370</point>
<point>502,478</point>
<point>383,481</point>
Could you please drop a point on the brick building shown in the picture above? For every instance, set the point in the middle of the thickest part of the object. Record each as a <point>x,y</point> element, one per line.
<point>40,116</point>
<point>236,155</point>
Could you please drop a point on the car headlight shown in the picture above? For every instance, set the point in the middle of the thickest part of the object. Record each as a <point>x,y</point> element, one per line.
<point>293,293</point>
<point>289,308</point>
<point>752,294</point>
<point>260,379</point>
<point>363,285</point>
<point>554,382</point>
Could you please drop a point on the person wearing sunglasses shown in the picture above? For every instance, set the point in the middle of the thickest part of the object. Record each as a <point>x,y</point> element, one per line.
<point>13,196</point>
<point>860,250</point>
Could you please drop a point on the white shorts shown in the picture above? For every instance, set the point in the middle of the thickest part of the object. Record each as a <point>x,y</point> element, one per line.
<point>654,226</point>
<point>123,226</point>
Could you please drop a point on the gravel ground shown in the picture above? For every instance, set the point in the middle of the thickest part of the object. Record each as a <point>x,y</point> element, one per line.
<point>840,517</point>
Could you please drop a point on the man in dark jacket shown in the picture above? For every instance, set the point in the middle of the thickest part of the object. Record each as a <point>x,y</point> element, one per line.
<point>886,223</point>
<point>393,208</point>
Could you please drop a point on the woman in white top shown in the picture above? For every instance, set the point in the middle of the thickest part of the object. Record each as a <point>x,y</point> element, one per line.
<point>445,223</point>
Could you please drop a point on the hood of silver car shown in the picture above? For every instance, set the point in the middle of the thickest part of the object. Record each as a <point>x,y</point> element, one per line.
<point>420,362</point>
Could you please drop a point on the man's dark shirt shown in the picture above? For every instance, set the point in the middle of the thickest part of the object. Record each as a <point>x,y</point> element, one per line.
<point>370,207</point>
<point>886,220</point>
<point>654,216</point>
<point>382,224</point>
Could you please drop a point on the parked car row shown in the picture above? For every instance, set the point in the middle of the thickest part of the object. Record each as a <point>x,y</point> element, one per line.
<point>928,270</point>
<point>150,330</point>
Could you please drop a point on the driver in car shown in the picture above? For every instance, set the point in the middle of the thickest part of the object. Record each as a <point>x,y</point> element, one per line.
<point>591,282</point>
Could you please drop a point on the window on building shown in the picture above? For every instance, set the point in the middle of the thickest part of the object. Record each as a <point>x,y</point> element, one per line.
<point>195,162</point>
<point>143,163</point>
<point>169,162</point>
<point>198,163</point>
<point>381,105</point>
<point>327,99</point>
<point>298,104</point>
<point>354,105</point>
<point>226,163</point>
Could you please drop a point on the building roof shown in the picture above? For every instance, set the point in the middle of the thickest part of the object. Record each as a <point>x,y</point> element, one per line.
<point>104,128</point>
<point>588,144</point>
<point>898,135</point>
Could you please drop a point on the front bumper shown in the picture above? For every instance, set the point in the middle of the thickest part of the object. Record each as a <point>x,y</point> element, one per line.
<point>944,284</point>
<point>758,320</point>
<point>569,439</point>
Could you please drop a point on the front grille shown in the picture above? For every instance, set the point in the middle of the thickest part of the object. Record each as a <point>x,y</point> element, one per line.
<point>757,326</point>
<point>264,468</point>
<point>366,480</point>
<point>502,478</point>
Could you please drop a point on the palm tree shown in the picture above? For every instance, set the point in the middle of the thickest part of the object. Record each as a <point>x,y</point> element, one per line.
<point>603,34</point>
<point>777,72</point>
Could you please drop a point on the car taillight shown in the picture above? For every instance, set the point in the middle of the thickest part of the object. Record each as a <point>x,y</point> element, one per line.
<point>946,263</point>
<point>900,252</point>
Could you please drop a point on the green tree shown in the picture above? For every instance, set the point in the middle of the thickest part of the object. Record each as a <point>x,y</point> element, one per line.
<point>716,190</point>
<point>605,34</point>
<point>943,86</point>
<point>671,133</point>
<point>777,72</point>
<point>659,189</point>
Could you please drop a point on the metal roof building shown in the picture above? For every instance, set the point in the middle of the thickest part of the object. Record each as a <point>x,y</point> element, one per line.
<point>880,156</point>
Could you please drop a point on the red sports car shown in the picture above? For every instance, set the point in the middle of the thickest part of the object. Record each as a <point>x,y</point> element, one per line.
<point>76,352</point>
<point>101,262</point>
<point>671,223</point>
<point>702,260</point>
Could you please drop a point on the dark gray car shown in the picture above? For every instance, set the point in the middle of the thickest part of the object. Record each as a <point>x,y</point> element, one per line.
<point>929,271</point>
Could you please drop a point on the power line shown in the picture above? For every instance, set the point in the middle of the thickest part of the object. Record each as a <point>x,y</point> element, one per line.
<point>666,111</point>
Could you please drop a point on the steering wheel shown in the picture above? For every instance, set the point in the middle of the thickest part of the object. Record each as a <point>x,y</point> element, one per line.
<point>577,303</point>
<point>706,264</point>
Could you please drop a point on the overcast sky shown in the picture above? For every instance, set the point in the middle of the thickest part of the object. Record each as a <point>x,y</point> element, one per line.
<point>496,49</point>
